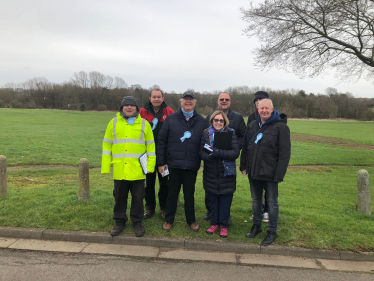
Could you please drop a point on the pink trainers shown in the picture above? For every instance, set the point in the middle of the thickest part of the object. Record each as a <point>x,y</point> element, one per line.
<point>223,232</point>
<point>212,229</point>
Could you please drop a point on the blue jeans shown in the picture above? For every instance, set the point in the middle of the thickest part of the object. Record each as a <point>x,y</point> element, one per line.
<point>271,193</point>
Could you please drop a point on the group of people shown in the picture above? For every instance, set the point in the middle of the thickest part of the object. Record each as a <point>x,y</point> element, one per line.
<point>176,142</point>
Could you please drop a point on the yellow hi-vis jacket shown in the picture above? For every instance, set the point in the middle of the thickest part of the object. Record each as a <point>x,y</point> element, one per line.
<point>123,144</point>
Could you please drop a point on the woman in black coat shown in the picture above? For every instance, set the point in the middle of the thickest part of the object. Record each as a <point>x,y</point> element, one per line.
<point>218,186</point>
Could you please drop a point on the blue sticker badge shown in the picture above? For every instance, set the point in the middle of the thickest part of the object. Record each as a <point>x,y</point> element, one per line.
<point>154,121</point>
<point>186,135</point>
<point>131,121</point>
<point>259,136</point>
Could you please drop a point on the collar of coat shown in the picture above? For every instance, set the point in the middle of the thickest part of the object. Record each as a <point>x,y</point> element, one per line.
<point>137,120</point>
<point>149,107</point>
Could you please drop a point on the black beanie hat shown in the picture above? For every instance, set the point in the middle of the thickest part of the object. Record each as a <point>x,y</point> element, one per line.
<point>129,100</point>
<point>261,95</point>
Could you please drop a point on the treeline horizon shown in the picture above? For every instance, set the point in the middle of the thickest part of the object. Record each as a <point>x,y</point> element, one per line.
<point>95,91</point>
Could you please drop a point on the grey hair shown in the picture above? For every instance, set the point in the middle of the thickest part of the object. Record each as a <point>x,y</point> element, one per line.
<point>271,102</point>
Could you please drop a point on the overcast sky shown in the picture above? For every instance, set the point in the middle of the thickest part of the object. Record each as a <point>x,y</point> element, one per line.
<point>177,44</point>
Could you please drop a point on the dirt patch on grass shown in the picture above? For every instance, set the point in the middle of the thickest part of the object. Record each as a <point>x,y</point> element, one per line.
<point>26,182</point>
<point>312,169</point>
<point>14,168</point>
<point>330,140</point>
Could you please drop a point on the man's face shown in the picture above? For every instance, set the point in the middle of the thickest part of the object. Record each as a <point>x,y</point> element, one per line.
<point>156,99</point>
<point>224,101</point>
<point>129,110</point>
<point>265,110</point>
<point>188,103</point>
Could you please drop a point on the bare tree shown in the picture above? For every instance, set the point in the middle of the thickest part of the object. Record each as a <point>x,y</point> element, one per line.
<point>108,82</point>
<point>119,83</point>
<point>97,79</point>
<point>80,79</point>
<point>309,37</point>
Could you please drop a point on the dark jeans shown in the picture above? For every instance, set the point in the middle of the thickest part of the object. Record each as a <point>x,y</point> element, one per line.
<point>187,178</point>
<point>150,197</point>
<point>219,208</point>
<point>121,193</point>
<point>266,205</point>
<point>271,193</point>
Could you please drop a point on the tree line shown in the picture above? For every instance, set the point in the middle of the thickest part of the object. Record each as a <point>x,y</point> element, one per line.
<point>95,91</point>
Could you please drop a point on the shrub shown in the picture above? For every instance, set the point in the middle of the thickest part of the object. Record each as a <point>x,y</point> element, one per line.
<point>15,104</point>
<point>102,107</point>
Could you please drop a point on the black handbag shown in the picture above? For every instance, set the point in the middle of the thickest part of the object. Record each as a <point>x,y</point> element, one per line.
<point>229,168</point>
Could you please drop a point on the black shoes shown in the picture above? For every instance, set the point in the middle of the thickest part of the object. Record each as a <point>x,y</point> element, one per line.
<point>207,216</point>
<point>162,214</point>
<point>117,229</point>
<point>148,214</point>
<point>138,229</point>
<point>269,239</point>
<point>256,229</point>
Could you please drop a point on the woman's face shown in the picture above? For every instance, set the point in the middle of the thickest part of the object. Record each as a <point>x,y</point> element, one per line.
<point>218,122</point>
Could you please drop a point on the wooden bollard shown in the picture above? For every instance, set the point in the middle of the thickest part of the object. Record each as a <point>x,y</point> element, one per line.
<point>84,180</point>
<point>3,177</point>
<point>363,192</point>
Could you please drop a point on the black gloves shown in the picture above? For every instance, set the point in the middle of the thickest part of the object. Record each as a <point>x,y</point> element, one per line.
<point>214,154</point>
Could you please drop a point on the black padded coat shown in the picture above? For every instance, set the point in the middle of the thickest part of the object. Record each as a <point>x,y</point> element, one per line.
<point>213,180</point>
<point>171,150</point>
<point>268,160</point>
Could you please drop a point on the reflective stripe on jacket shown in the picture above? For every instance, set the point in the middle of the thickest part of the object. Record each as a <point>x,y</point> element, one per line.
<point>123,144</point>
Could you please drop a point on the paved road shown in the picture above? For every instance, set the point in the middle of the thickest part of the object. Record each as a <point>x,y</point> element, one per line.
<point>39,265</point>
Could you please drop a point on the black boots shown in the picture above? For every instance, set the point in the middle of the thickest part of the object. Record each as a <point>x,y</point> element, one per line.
<point>269,239</point>
<point>117,229</point>
<point>256,229</point>
<point>138,229</point>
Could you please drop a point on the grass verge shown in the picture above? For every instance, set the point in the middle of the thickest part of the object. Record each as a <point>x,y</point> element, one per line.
<point>317,208</point>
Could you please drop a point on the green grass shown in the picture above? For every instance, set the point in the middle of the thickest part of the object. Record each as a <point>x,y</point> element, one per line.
<point>317,205</point>
<point>52,137</point>
<point>304,153</point>
<point>33,136</point>
<point>361,132</point>
<point>317,208</point>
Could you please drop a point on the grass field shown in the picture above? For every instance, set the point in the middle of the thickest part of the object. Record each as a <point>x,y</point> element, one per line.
<point>317,202</point>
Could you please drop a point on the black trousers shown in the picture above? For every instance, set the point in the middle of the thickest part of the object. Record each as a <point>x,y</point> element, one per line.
<point>220,205</point>
<point>150,197</point>
<point>207,206</point>
<point>121,193</point>
<point>187,178</point>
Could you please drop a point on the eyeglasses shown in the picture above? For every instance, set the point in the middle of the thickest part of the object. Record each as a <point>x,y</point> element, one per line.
<point>224,99</point>
<point>219,120</point>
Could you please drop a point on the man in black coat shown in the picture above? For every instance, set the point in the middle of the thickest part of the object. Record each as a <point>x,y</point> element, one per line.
<point>265,157</point>
<point>178,150</point>
<point>236,122</point>
<point>260,95</point>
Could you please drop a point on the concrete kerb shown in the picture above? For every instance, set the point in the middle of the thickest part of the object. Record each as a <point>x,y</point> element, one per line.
<point>24,233</point>
<point>181,243</point>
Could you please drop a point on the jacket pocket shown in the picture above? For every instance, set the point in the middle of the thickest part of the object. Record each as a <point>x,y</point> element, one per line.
<point>117,168</point>
<point>268,166</point>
